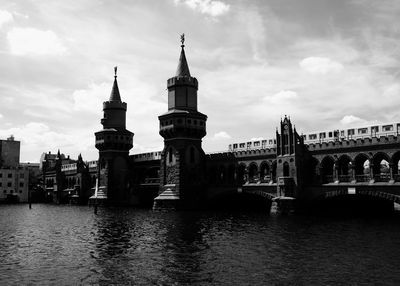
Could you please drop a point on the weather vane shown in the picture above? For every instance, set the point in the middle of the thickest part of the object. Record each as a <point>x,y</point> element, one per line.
<point>183,38</point>
<point>115,71</point>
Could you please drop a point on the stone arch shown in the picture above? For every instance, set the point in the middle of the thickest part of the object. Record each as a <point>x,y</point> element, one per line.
<point>344,168</point>
<point>381,167</point>
<point>371,193</point>
<point>396,166</point>
<point>327,169</point>
<point>361,165</point>
<point>241,174</point>
<point>265,172</point>
<point>253,172</point>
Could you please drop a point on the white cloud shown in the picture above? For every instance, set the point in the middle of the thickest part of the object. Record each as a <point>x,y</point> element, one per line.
<point>320,65</point>
<point>37,135</point>
<point>281,97</point>
<point>351,120</point>
<point>91,99</point>
<point>211,7</point>
<point>1,115</point>
<point>25,41</point>
<point>5,17</point>
<point>221,135</point>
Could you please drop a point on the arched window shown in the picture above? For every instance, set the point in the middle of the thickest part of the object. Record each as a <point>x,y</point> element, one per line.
<point>170,155</point>
<point>286,169</point>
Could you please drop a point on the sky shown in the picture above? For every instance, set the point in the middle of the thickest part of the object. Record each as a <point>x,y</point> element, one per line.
<point>326,64</point>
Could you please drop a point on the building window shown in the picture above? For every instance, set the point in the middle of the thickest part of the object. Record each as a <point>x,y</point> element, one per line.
<point>322,135</point>
<point>241,145</point>
<point>22,175</point>
<point>1,175</point>
<point>5,191</point>
<point>312,136</point>
<point>20,192</point>
<point>1,184</point>
<point>9,175</point>
<point>21,184</point>
<point>350,132</point>
<point>9,184</point>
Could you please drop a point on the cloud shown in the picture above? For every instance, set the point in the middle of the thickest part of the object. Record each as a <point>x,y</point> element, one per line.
<point>5,17</point>
<point>37,135</point>
<point>210,7</point>
<point>221,135</point>
<point>351,120</point>
<point>30,41</point>
<point>320,65</point>
<point>281,97</point>
<point>1,115</point>
<point>91,99</point>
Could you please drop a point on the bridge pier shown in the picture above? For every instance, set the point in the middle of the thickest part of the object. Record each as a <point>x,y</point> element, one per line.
<point>283,205</point>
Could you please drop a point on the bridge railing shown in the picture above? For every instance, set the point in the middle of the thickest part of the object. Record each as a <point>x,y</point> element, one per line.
<point>345,178</point>
<point>327,179</point>
<point>382,178</point>
<point>363,178</point>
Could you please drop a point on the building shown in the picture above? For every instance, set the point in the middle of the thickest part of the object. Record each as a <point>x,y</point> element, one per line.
<point>66,180</point>
<point>14,178</point>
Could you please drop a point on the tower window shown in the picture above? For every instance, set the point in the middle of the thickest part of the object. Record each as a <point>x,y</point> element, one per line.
<point>170,155</point>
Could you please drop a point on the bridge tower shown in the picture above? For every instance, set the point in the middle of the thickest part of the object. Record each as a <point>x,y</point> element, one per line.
<point>114,142</point>
<point>290,160</point>
<point>182,170</point>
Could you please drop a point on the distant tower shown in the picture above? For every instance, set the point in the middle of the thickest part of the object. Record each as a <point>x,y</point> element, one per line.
<point>114,143</point>
<point>182,170</point>
<point>290,157</point>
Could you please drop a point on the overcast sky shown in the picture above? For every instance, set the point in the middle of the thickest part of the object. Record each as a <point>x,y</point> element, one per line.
<point>327,64</point>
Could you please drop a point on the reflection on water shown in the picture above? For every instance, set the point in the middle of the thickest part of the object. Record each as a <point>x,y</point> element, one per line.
<point>69,245</point>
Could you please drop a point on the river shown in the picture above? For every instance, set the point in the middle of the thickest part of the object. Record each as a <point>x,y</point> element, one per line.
<point>70,245</point>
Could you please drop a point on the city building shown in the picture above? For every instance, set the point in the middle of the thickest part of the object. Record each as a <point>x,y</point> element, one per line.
<point>14,178</point>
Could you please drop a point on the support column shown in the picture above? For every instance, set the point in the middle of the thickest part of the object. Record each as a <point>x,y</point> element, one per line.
<point>336,172</point>
<point>391,181</point>
<point>353,173</point>
<point>371,173</point>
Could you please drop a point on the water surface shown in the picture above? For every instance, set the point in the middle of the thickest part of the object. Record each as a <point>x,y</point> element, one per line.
<point>70,245</point>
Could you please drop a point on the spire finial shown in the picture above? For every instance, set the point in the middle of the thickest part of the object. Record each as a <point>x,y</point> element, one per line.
<point>182,40</point>
<point>115,71</point>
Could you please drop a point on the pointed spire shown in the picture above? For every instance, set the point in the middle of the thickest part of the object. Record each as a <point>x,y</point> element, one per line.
<point>183,68</point>
<point>115,91</point>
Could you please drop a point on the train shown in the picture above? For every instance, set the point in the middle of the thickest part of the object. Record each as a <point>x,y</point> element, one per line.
<point>376,130</point>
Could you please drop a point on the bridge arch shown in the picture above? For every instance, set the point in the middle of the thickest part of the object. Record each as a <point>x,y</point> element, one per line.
<point>241,174</point>
<point>253,171</point>
<point>381,167</point>
<point>396,166</point>
<point>327,169</point>
<point>264,172</point>
<point>344,165</point>
<point>362,167</point>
